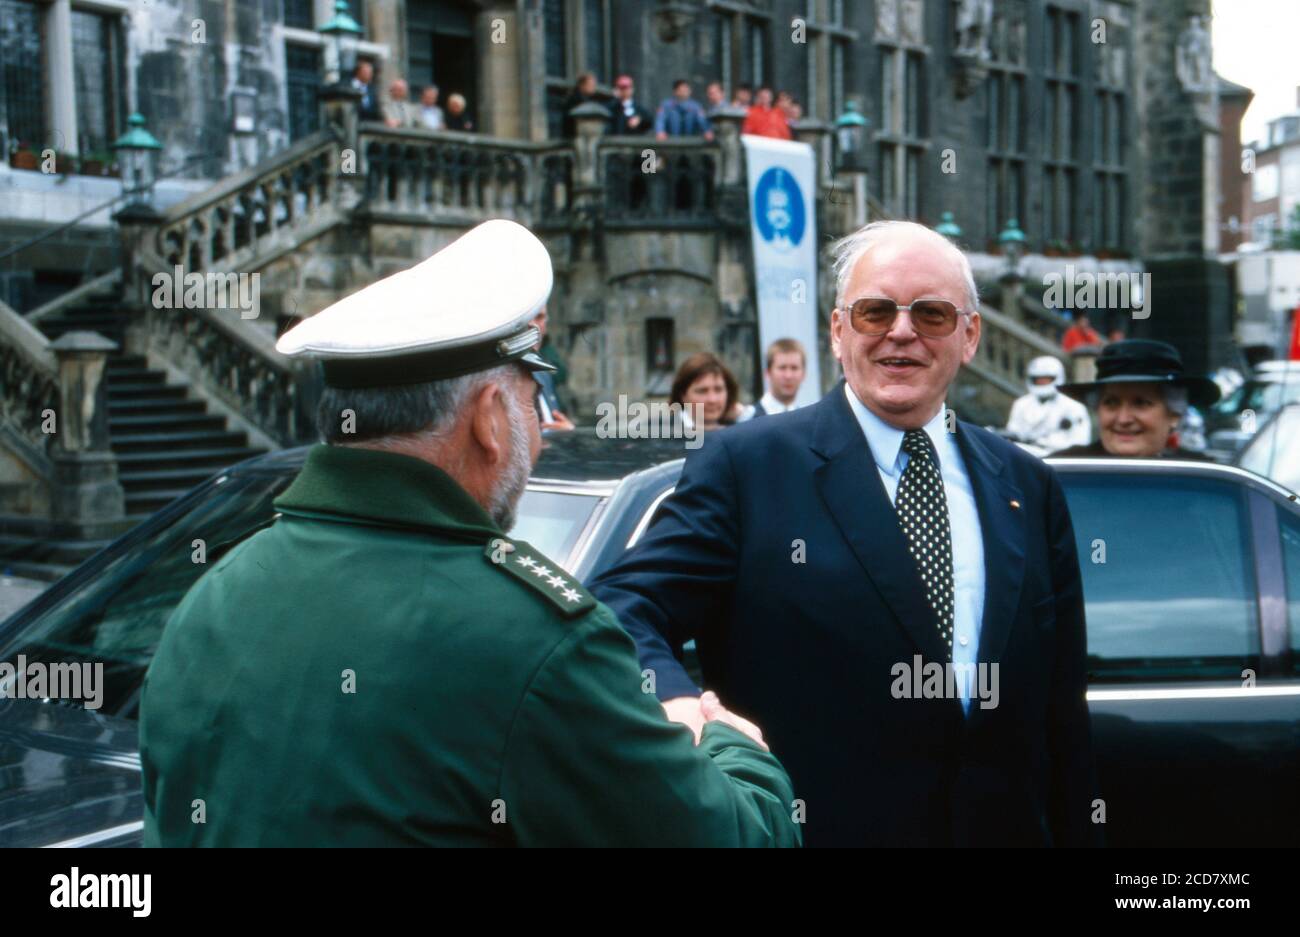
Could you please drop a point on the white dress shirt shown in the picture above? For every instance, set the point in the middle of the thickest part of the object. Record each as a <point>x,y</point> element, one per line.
<point>772,405</point>
<point>886,444</point>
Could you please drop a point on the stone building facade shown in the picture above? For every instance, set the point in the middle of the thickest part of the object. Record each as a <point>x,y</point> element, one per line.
<point>1090,122</point>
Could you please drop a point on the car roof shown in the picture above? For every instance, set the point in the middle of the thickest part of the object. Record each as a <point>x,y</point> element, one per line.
<point>579,456</point>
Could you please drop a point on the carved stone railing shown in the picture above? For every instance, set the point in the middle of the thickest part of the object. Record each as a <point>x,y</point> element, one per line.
<point>1046,323</point>
<point>248,216</point>
<point>29,386</point>
<point>235,361</point>
<point>457,178</point>
<point>658,183</point>
<point>1006,348</point>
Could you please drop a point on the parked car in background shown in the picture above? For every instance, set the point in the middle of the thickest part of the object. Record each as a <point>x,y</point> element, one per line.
<point>1238,415</point>
<point>1274,451</point>
<point>1191,575</point>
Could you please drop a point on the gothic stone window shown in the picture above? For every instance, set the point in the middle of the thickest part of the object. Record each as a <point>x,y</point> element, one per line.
<point>741,42</point>
<point>827,45</point>
<point>97,56</point>
<point>900,36</point>
<point>302,66</point>
<point>1060,106</point>
<point>20,73</point>
<point>1109,134</point>
<point>1006,107</point>
<point>576,39</point>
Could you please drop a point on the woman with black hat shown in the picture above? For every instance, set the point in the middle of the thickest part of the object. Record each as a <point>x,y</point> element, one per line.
<point>1139,396</point>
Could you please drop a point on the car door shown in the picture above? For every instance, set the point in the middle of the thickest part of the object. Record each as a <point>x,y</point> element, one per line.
<point>1194,718</point>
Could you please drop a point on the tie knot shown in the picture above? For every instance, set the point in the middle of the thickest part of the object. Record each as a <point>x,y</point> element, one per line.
<point>917,443</point>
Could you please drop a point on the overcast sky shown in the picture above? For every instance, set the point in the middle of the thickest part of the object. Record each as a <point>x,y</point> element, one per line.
<point>1257,44</point>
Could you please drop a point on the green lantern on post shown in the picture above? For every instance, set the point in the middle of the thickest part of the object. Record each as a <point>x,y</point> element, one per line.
<point>948,227</point>
<point>851,138</point>
<point>1012,240</point>
<point>342,40</point>
<point>137,154</point>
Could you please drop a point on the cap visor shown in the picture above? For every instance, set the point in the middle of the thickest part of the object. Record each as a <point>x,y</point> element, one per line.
<point>535,362</point>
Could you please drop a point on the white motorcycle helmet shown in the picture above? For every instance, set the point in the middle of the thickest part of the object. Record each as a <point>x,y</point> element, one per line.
<point>1046,366</point>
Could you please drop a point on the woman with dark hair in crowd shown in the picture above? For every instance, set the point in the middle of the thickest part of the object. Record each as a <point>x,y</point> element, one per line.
<point>705,385</point>
<point>584,90</point>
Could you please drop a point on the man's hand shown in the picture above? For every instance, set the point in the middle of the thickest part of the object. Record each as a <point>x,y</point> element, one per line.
<point>559,422</point>
<point>694,713</point>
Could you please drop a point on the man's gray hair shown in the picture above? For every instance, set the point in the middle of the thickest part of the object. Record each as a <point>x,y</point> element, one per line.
<point>850,249</point>
<point>381,413</point>
<point>1175,398</point>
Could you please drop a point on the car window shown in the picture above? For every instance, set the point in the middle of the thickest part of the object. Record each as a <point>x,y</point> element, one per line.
<point>1290,527</point>
<point>1168,576</point>
<point>116,618</point>
<point>552,522</point>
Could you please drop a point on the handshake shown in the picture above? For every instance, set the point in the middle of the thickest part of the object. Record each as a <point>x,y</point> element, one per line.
<point>694,712</point>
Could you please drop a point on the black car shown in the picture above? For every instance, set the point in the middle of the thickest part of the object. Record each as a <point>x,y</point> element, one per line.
<point>1191,575</point>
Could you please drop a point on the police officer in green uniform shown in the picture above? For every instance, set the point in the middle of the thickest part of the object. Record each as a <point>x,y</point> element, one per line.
<point>383,665</point>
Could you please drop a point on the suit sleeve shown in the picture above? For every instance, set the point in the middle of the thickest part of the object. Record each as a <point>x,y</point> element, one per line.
<point>1073,777</point>
<point>592,761</point>
<point>676,584</point>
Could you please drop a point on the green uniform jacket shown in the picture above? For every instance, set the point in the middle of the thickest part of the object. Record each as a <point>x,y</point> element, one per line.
<point>382,666</point>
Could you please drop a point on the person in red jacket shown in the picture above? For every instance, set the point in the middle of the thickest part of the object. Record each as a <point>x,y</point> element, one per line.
<point>764,120</point>
<point>1081,333</point>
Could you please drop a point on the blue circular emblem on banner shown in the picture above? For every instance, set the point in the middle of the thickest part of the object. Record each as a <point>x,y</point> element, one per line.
<point>779,209</point>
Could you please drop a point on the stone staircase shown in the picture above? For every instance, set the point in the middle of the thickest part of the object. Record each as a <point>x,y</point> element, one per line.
<point>164,437</point>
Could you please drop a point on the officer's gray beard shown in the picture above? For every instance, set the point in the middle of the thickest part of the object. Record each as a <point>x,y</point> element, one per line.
<point>514,477</point>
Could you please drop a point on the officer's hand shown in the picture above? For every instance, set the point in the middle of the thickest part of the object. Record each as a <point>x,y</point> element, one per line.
<point>713,710</point>
<point>687,711</point>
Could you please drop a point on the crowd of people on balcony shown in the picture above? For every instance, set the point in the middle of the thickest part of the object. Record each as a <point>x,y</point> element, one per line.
<point>401,112</point>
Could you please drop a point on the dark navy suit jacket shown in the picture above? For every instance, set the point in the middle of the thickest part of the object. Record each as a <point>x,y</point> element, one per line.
<point>807,650</point>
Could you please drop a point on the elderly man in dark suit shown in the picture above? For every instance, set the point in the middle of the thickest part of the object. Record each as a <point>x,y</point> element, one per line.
<point>893,595</point>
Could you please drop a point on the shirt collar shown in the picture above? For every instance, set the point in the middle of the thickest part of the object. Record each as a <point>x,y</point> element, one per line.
<point>886,442</point>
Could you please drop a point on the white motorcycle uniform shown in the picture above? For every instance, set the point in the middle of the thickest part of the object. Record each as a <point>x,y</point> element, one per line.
<point>1054,423</point>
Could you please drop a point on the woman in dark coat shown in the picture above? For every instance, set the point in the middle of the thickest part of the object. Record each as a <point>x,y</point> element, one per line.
<point>1139,396</point>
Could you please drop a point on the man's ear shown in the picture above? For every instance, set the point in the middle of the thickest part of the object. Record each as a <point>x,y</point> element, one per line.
<point>971,341</point>
<point>487,415</point>
<point>837,324</point>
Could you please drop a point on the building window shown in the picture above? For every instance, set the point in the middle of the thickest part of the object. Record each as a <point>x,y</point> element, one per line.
<point>302,79</point>
<point>903,117</point>
<point>300,14</point>
<point>357,10</point>
<point>575,31</point>
<point>21,73</point>
<point>827,45</point>
<point>1110,195</point>
<point>1060,111</point>
<point>1006,108</point>
<point>740,43</point>
<point>97,80</point>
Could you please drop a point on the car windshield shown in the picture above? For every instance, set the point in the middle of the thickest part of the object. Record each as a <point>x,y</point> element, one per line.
<point>1260,396</point>
<point>1275,450</point>
<point>116,617</point>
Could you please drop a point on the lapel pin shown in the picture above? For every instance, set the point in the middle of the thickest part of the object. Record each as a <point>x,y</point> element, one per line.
<point>1015,505</point>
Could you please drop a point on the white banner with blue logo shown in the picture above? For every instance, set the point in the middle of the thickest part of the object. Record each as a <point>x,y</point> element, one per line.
<point>783,218</point>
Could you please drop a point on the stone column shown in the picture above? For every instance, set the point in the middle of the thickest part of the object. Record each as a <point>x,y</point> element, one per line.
<point>338,110</point>
<point>61,104</point>
<point>137,227</point>
<point>87,495</point>
<point>817,134</point>
<point>1012,286</point>
<point>500,39</point>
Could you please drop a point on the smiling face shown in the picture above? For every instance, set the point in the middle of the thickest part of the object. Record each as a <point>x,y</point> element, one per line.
<point>1135,421</point>
<point>902,376</point>
<point>710,391</point>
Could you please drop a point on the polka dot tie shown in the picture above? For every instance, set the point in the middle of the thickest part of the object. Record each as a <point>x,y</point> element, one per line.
<point>922,508</point>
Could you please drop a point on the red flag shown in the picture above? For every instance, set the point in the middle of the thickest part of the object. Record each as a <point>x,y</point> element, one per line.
<point>1295,335</point>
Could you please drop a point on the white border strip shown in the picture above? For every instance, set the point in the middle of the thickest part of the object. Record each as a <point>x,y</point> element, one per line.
<point>1240,692</point>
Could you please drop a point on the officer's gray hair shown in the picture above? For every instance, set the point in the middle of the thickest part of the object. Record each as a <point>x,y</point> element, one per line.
<point>850,249</point>
<point>381,413</point>
<point>1175,398</point>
